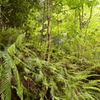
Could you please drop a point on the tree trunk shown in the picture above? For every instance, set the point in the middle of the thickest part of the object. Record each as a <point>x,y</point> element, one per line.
<point>81,17</point>
<point>48,31</point>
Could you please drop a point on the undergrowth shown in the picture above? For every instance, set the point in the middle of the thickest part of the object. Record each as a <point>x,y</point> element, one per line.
<point>33,78</point>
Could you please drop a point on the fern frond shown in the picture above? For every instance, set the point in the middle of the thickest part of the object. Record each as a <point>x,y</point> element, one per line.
<point>18,42</point>
<point>11,49</point>
<point>5,88</point>
<point>19,87</point>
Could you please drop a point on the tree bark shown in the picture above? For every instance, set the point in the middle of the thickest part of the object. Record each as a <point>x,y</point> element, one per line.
<point>81,17</point>
<point>48,31</point>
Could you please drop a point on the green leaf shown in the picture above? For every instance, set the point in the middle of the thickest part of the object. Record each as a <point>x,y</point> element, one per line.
<point>5,78</point>
<point>27,70</point>
<point>18,42</point>
<point>11,49</point>
<point>39,77</point>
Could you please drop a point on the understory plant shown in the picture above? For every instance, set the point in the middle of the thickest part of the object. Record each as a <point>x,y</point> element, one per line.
<point>26,76</point>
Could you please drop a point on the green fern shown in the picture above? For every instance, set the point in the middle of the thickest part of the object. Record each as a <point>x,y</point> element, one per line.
<point>8,66</point>
<point>5,88</point>
<point>43,75</point>
<point>19,40</point>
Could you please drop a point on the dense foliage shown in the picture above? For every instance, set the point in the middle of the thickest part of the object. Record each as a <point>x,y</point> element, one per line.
<point>49,50</point>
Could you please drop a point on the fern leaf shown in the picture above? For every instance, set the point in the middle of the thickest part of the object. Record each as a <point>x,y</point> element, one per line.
<point>11,49</point>
<point>5,88</point>
<point>19,40</point>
